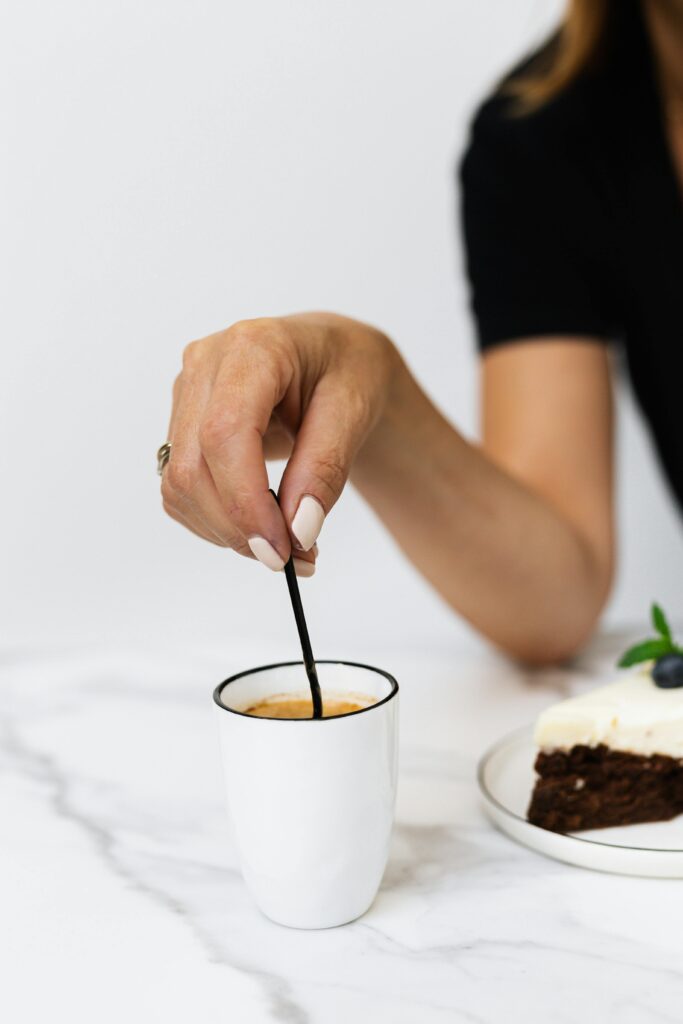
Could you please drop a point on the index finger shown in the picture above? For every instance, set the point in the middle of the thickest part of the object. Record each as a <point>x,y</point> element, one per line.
<point>248,386</point>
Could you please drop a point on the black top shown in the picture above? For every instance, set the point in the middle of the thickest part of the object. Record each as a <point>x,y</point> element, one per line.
<point>573,220</point>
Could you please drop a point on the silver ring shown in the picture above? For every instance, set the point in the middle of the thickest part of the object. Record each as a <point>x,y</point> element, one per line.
<point>163,455</point>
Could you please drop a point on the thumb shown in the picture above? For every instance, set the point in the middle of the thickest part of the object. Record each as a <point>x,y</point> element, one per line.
<point>334,427</point>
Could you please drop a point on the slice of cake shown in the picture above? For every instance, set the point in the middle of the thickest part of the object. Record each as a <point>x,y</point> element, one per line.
<point>615,756</point>
<point>611,757</point>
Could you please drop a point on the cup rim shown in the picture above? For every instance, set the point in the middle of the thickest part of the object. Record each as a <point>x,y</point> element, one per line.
<point>287,664</point>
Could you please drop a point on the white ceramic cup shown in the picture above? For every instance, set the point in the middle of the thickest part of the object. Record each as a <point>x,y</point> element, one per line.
<point>312,800</point>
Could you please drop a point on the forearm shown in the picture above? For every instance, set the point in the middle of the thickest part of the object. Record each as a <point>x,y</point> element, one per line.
<point>498,553</point>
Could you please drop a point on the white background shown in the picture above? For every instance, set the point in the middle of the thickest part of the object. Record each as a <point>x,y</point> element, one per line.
<point>170,167</point>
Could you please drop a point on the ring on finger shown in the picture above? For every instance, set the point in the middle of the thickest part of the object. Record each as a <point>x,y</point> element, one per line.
<point>163,455</point>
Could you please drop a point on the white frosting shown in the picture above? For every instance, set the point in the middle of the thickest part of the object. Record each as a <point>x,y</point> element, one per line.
<point>632,714</point>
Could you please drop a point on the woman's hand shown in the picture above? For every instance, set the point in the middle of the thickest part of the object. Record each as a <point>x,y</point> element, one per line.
<point>517,534</point>
<point>308,388</point>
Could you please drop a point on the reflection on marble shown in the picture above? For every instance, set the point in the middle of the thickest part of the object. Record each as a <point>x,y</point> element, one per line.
<point>122,900</point>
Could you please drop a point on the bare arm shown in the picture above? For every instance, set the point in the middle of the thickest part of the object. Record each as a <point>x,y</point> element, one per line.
<point>517,534</point>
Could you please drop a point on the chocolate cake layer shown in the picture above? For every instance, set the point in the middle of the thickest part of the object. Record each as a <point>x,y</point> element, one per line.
<point>596,787</point>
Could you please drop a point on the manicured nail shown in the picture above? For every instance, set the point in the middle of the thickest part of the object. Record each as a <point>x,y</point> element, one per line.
<point>265,553</point>
<point>308,522</point>
<point>303,568</point>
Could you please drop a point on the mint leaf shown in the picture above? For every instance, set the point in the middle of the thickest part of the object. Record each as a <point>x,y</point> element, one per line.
<point>660,623</point>
<point>648,650</point>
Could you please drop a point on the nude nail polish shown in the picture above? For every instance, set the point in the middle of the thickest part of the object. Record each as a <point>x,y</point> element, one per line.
<point>303,568</point>
<point>307,522</point>
<point>265,553</point>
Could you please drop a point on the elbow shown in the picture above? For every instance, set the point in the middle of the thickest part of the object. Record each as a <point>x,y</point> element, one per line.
<point>544,653</point>
<point>553,640</point>
<point>554,645</point>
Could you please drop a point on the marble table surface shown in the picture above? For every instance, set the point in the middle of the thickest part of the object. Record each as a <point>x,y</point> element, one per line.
<point>121,896</point>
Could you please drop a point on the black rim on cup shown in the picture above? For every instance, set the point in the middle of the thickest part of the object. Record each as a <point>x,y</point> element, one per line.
<point>288,664</point>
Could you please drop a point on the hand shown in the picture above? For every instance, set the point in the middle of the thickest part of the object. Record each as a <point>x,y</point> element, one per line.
<point>308,388</point>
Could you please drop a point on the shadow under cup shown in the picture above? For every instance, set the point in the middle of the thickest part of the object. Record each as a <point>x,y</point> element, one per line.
<point>311,800</point>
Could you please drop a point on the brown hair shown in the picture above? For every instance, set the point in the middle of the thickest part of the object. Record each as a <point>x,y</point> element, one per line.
<point>571,49</point>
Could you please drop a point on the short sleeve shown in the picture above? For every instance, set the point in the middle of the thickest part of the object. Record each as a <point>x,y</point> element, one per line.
<point>531,233</point>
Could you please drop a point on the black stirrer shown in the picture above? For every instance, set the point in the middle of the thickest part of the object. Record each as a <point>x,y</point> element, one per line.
<point>300,618</point>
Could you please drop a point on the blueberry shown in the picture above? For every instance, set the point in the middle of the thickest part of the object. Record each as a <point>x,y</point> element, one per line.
<point>668,671</point>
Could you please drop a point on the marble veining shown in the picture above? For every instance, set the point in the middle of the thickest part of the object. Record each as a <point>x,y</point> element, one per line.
<point>122,888</point>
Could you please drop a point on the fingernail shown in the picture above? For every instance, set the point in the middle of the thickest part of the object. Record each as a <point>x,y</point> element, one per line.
<point>308,522</point>
<point>265,553</point>
<point>303,568</point>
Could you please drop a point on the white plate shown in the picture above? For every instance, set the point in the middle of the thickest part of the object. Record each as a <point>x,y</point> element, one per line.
<point>506,778</point>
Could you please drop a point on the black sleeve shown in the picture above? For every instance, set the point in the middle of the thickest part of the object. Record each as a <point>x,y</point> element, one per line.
<point>529,233</point>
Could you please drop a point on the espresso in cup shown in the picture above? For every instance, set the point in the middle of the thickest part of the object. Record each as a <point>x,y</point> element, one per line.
<point>295,705</point>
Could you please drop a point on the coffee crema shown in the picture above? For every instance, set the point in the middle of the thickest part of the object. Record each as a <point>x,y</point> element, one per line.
<point>295,705</point>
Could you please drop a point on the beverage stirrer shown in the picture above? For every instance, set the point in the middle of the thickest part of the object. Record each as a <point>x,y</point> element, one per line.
<point>300,618</point>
